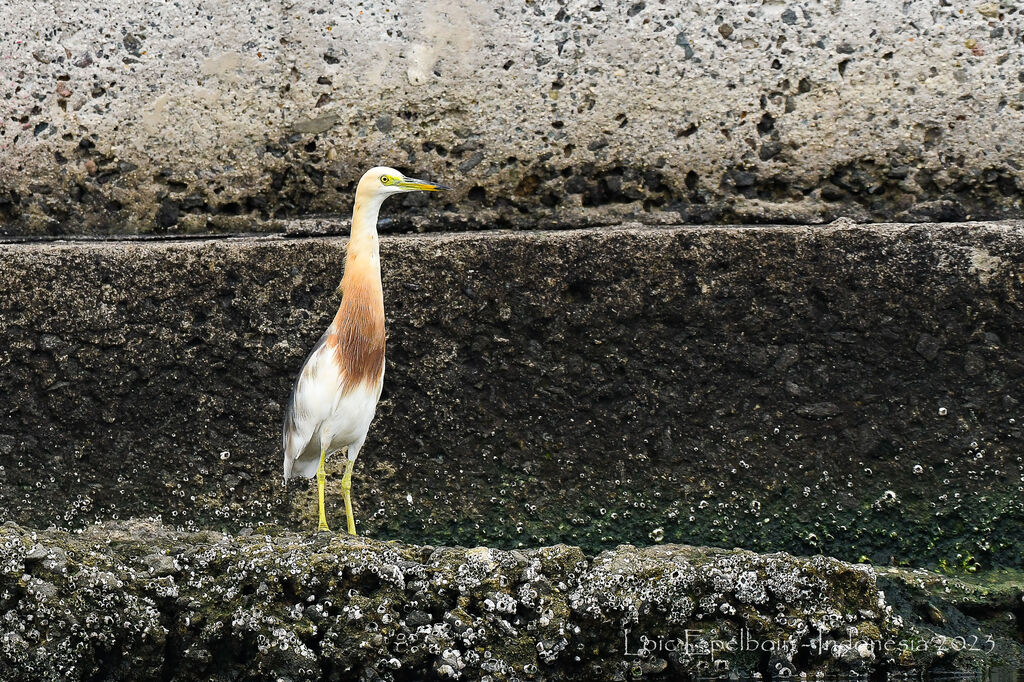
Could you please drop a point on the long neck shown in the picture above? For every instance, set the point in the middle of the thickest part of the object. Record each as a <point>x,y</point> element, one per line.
<point>357,334</point>
<point>362,260</point>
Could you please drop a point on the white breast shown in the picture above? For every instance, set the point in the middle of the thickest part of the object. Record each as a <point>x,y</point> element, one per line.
<point>324,414</point>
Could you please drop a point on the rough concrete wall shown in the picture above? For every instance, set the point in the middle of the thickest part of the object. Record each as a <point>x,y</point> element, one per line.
<point>829,389</point>
<point>143,602</point>
<point>195,116</point>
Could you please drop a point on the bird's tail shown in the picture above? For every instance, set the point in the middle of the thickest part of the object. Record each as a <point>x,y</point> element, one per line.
<point>292,443</point>
<point>301,454</point>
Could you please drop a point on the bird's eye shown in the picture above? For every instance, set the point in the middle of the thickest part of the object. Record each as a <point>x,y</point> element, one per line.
<point>384,179</point>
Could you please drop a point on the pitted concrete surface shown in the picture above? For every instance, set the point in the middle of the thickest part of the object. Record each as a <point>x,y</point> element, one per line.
<point>840,389</point>
<point>219,116</point>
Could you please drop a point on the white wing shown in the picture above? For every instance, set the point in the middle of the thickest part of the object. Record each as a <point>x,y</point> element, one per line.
<point>313,397</point>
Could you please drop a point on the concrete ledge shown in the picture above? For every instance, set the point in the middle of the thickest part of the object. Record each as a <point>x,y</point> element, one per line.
<point>844,390</point>
<point>206,116</point>
<point>145,602</point>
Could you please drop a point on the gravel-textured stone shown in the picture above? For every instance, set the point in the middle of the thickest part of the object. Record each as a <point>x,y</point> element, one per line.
<point>198,116</point>
<point>272,605</point>
<point>850,390</point>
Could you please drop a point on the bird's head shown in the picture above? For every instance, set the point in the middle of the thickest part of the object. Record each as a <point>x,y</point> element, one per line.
<point>383,181</point>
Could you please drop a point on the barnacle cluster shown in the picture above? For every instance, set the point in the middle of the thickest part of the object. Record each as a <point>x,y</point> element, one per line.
<point>141,600</point>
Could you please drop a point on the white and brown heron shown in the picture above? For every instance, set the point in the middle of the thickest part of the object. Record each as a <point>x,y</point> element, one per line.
<point>335,395</point>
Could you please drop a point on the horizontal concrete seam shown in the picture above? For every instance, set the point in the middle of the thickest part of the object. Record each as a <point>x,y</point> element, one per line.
<point>638,229</point>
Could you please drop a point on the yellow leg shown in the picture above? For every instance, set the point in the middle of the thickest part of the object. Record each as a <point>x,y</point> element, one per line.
<point>346,492</point>
<point>321,479</point>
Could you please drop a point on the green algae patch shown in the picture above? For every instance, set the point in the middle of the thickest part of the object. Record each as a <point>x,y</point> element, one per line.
<point>976,618</point>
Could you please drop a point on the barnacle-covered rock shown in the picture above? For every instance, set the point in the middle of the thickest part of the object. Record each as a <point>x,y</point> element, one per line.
<point>138,600</point>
